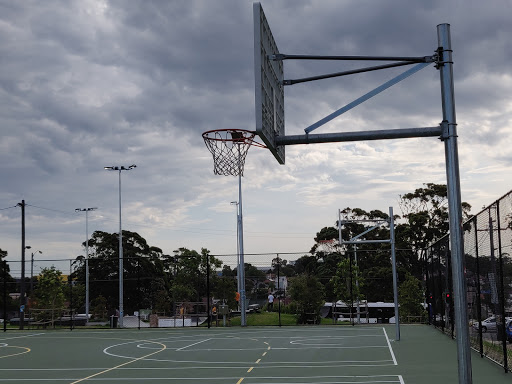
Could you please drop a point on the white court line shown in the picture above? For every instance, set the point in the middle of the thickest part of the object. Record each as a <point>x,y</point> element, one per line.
<point>344,379</point>
<point>199,342</point>
<point>283,365</point>
<point>401,379</point>
<point>389,345</point>
<point>279,348</point>
<point>21,337</point>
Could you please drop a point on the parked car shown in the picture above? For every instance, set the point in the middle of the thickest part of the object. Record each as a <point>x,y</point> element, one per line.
<point>508,329</point>
<point>489,324</point>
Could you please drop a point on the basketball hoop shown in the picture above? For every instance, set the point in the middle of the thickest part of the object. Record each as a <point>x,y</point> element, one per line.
<point>229,148</point>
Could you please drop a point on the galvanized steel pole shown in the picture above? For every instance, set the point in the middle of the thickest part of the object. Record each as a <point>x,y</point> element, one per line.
<point>87,264</point>
<point>445,66</point>
<point>241,243</point>
<point>86,210</point>
<point>121,268</point>
<point>22,282</point>
<point>393,268</point>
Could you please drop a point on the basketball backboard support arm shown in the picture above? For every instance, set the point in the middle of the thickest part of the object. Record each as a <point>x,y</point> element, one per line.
<point>414,59</point>
<point>385,134</point>
<point>346,73</point>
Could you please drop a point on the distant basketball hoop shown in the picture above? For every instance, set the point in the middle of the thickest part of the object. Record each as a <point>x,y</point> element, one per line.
<point>229,148</point>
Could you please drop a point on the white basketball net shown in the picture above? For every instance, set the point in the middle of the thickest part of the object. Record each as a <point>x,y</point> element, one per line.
<point>229,148</point>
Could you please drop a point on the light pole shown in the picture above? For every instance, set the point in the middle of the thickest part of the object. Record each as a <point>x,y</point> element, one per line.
<point>86,210</point>
<point>32,273</point>
<point>22,282</point>
<point>119,169</point>
<point>235,203</point>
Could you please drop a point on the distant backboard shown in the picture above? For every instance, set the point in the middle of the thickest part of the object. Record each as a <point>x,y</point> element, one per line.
<point>269,90</point>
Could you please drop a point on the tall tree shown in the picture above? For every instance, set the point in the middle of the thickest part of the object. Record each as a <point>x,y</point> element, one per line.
<point>49,294</point>
<point>426,213</point>
<point>5,277</point>
<point>143,266</point>
<point>347,282</point>
<point>410,297</point>
<point>190,272</point>
<point>308,294</point>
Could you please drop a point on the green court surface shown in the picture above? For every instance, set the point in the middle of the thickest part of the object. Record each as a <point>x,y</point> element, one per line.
<point>255,355</point>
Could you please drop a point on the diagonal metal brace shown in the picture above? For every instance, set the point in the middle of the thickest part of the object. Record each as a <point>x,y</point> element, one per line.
<point>367,96</point>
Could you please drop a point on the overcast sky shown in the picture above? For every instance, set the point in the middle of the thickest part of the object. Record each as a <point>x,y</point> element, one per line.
<point>89,83</point>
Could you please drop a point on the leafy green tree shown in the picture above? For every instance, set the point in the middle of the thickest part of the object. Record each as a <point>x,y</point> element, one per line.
<point>49,293</point>
<point>308,294</point>
<point>306,265</point>
<point>410,297</point>
<point>426,219</point>
<point>99,308</point>
<point>347,282</point>
<point>159,299</point>
<point>285,269</point>
<point>190,272</point>
<point>142,266</point>
<point>6,277</point>
<point>76,295</point>
<point>255,287</point>
<point>225,290</point>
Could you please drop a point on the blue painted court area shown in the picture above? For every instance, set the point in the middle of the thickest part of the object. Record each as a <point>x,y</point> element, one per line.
<point>337,354</point>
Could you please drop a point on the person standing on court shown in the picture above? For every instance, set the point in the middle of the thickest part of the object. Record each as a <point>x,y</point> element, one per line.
<point>270,305</point>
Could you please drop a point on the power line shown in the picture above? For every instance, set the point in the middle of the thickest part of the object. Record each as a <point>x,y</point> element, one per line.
<point>3,209</point>
<point>210,231</point>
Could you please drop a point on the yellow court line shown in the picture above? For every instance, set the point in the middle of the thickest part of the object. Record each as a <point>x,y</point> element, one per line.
<point>258,361</point>
<point>241,379</point>
<point>26,350</point>
<point>122,365</point>
<point>250,369</point>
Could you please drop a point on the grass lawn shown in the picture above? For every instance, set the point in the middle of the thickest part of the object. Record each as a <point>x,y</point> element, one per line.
<point>266,318</point>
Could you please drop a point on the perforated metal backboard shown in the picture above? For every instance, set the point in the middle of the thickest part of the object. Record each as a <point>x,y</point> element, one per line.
<point>269,90</point>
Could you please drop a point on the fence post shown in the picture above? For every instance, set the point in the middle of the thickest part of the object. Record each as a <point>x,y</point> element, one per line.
<point>138,291</point>
<point>433,285</point>
<point>351,291</point>
<point>278,291</point>
<point>70,295</point>
<point>5,296</point>
<point>208,290</point>
<point>502,291</point>
<point>478,291</point>
<point>442,312</point>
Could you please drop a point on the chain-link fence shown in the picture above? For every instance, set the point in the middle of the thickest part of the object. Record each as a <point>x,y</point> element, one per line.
<point>189,289</point>
<point>193,289</point>
<point>488,271</point>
